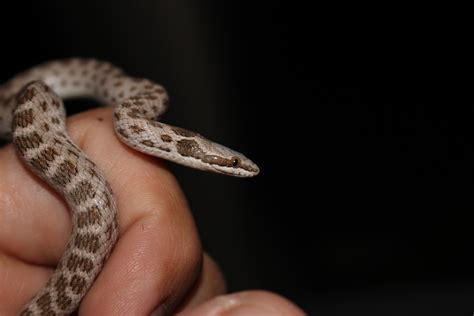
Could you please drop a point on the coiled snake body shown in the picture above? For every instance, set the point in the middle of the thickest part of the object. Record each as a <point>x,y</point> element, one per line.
<point>33,115</point>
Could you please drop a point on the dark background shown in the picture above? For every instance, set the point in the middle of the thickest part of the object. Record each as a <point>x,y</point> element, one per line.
<point>361,122</point>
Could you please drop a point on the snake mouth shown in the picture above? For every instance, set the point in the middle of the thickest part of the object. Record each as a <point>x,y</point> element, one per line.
<point>236,172</point>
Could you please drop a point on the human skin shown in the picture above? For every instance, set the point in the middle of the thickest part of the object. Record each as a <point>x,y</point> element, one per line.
<point>158,265</point>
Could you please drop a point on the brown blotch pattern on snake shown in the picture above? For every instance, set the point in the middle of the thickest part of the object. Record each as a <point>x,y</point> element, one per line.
<point>136,129</point>
<point>30,141</point>
<point>148,143</point>
<point>77,284</point>
<point>78,263</point>
<point>44,301</point>
<point>88,242</point>
<point>166,138</point>
<point>43,160</point>
<point>82,192</point>
<point>63,301</point>
<point>26,95</point>
<point>189,148</point>
<point>61,284</point>
<point>89,217</point>
<point>23,118</point>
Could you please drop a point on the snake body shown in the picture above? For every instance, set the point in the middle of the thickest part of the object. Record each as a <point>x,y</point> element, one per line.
<point>33,116</point>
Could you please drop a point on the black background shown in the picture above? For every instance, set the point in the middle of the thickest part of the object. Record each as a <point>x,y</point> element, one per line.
<point>361,122</point>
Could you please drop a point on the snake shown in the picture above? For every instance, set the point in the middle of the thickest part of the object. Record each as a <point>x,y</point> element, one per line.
<point>33,117</point>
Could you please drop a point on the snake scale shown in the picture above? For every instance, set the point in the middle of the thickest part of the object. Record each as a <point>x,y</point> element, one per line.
<point>32,114</point>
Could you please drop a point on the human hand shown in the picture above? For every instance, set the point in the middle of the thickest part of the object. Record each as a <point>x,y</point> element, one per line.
<point>157,266</point>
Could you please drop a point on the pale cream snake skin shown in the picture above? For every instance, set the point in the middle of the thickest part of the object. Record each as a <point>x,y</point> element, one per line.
<point>33,116</point>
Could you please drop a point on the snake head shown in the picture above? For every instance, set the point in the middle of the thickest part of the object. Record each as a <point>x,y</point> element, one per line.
<point>227,161</point>
<point>214,157</point>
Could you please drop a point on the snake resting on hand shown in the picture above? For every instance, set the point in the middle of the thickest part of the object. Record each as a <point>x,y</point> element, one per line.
<point>32,114</point>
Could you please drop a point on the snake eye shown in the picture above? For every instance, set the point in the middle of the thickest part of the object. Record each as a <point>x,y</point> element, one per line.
<point>235,162</point>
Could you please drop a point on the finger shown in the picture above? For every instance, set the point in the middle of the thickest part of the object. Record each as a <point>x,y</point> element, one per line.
<point>210,283</point>
<point>34,220</point>
<point>34,227</point>
<point>246,303</point>
<point>15,276</point>
<point>158,254</point>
